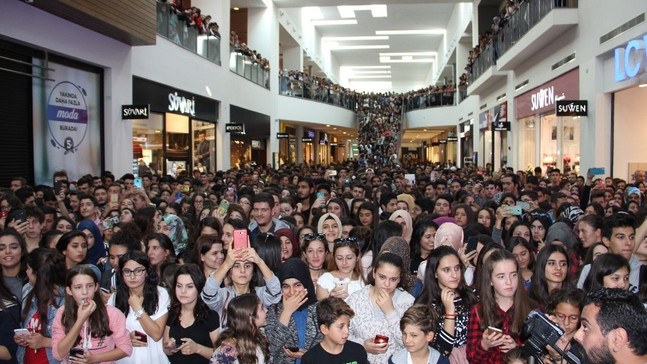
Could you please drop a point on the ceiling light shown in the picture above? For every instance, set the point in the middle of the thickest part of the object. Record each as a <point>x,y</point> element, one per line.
<point>412,32</point>
<point>399,54</point>
<point>348,11</point>
<point>236,8</point>
<point>369,76</point>
<point>372,72</point>
<point>643,85</point>
<point>334,22</point>
<point>371,46</point>
<point>327,125</point>
<point>365,67</point>
<point>419,60</point>
<point>341,39</point>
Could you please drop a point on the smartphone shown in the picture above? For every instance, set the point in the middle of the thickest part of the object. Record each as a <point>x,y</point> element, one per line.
<point>240,239</point>
<point>333,173</point>
<point>525,206</point>
<point>141,336</point>
<point>114,198</point>
<point>20,216</point>
<point>411,178</point>
<point>138,183</point>
<point>186,188</point>
<point>76,351</point>
<point>381,339</point>
<point>223,207</point>
<point>472,243</point>
<point>491,329</point>
<point>110,222</point>
<point>597,171</point>
<point>58,186</point>
<point>321,195</point>
<point>21,332</point>
<point>341,283</point>
<point>293,349</point>
<point>513,210</point>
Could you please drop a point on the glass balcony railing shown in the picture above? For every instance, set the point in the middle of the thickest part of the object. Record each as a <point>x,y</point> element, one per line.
<point>246,67</point>
<point>313,91</point>
<point>525,18</point>
<point>428,99</point>
<point>173,26</point>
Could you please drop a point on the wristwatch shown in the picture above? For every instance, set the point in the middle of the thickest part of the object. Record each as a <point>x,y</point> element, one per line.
<point>139,313</point>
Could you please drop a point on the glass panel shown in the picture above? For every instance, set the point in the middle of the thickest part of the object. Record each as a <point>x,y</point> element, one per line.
<point>549,136</point>
<point>204,146</point>
<point>527,143</point>
<point>571,143</point>
<point>147,141</point>
<point>178,144</point>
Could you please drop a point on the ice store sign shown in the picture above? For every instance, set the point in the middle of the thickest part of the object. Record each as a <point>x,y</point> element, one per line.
<point>631,59</point>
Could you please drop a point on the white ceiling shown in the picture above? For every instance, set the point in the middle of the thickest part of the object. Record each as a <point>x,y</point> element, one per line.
<point>401,15</point>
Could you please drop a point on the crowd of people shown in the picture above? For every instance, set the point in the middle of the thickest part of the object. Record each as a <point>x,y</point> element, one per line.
<point>300,84</point>
<point>433,96</point>
<point>192,17</point>
<point>242,48</point>
<point>303,265</point>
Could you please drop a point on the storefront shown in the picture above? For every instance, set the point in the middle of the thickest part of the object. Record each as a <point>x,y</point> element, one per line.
<point>465,133</point>
<point>179,133</point>
<point>546,140</point>
<point>493,139</point>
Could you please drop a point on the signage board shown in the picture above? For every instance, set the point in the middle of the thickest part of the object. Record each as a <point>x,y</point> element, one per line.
<point>630,60</point>
<point>234,128</point>
<point>129,112</point>
<point>306,140</point>
<point>571,108</point>
<point>501,125</point>
<point>282,136</point>
<point>452,139</point>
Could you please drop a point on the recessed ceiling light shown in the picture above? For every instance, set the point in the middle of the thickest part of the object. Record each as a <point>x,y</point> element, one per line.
<point>236,8</point>
<point>341,39</point>
<point>370,76</point>
<point>365,67</point>
<point>412,32</point>
<point>384,72</point>
<point>334,22</point>
<point>328,125</point>
<point>401,54</point>
<point>368,46</point>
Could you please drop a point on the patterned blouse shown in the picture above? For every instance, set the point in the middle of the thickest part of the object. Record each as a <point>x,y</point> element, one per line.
<point>444,342</point>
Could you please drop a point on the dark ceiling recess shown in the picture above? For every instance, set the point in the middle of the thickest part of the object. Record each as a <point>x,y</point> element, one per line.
<point>130,22</point>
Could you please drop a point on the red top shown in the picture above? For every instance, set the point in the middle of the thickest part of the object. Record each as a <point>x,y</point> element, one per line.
<point>475,352</point>
<point>38,356</point>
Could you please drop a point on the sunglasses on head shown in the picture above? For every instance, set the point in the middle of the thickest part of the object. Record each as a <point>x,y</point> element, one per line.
<point>313,236</point>
<point>350,240</point>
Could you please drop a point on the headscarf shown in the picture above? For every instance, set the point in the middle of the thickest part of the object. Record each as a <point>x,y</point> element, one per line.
<point>407,220</point>
<point>449,234</point>
<point>543,218</point>
<point>633,191</point>
<point>298,269</point>
<point>98,250</point>
<point>398,246</point>
<point>406,198</point>
<point>573,213</point>
<point>177,232</point>
<point>325,217</point>
<point>560,231</point>
<point>287,232</point>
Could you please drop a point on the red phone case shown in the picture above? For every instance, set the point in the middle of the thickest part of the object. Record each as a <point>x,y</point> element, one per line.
<point>240,239</point>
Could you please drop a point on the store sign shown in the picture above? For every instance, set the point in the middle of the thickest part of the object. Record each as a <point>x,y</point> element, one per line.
<point>322,141</point>
<point>282,136</point>
<point>442,141</point>
<point>630,60</point>
<point>306,140</point>
<point>163,98</point>
<point>571,108</point>
<point>135,112</point>
<point>542,99</point>
<point>234,128</point>
<point>333,144</point>
<point>181,104</point>
<point>435,144</point>
<point>256,144</point>
<point>452,139</point>
<point>501,126</point>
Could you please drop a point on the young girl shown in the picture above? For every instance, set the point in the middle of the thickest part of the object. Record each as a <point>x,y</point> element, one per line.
<point>159,250</point>
<point>345,274</point>
<point>379,307</point>
<point>329,225</point>
<point>191,328</point>
<point>565,306</point>
<point>13,257</point>
<point>552,272</point>
<point>503,306</point>
<point>209,250</point>
<point>145,306</point>
<point>46,273</point>
<point>422,242</point>
<point>446,292</point>
<point>243,342</point>
<point>87,324</point>
<point>523,253</point>
<point>315,251</point>
<point>608,271</point>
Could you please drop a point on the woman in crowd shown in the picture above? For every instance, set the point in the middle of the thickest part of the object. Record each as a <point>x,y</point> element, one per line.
<point>539,225</point>
<point>209,226</point>
<point>245,202</point>
<point>74,247</point>
<point>344,276</point>
<point>126,215</point>
<point>463,215</point>
<point>46,273</point>
<point>594,252</point>
<point>315,254</point>
<point>145,306</point>
<point>384,230</point>
<point>292,326</point>
<point>289,244</point>
<point>159,250</point>
<point>288,206</point>
<point>422,242</point>
<point>367,215</point>
<point>173,227</point>
<point>552,272</point>
<point>523,253</point>
<point>354,208</point>
<point>446,292</point>
<point>243,341</point>
<point>608,271</point>
<point>236,211</point>
<point>228,231</point>
<point>192,328</point>
<point>520,229</point>
<point>338,207</point>
<point>96,247</point>
<point>485,217</point>
<point>404,219</point>
<point>329,225</point>
<point>64,224</point>
<point>378,308</point>
<point>209,251</point>
<point>398,246</point>
<point>87,324</point>
<point>302,232</point>
<point>589,230</point>
<point>503,305</point>
<point>13,259</point>
<point>239,267</point>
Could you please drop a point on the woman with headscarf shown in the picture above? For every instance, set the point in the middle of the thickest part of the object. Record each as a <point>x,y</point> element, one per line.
<point>96,248</point>
<point>330,225</point>
<point>562,233</point>
<point>399,246</point>
<point>404,219</point>
<point>173,227</point>
<point>450,234</point>
<point>292,323</point>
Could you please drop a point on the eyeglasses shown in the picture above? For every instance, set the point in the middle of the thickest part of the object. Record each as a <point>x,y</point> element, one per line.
<point>313,236</point>
<point>350,240</point>
<point>571,318</point>
<point>137,272</point>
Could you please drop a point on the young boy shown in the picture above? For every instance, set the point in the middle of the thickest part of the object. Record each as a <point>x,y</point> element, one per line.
<point>418,324</point>
<point>333,315</point>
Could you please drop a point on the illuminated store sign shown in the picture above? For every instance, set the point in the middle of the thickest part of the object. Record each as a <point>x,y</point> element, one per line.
<point>630,60</point>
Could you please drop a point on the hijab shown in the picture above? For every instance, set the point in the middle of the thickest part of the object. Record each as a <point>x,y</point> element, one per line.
<point>560,231</point>
<point>177,232</point>
<point>287,232</point>
<point>325,217</point>
<point>399,246</point>
<point>98,250</point>
<point>449,234</point>
<point>298,269</point>
<point>408,222</point>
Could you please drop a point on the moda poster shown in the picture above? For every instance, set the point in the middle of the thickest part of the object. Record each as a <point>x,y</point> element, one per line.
<point>67,128</point>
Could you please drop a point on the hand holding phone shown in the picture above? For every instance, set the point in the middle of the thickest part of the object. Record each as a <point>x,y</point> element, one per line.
<point>240,239</point>
<point>19,332</point>
<point>141,336</point>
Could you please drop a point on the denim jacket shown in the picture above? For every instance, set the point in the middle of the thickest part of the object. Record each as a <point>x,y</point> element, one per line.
<point>51,312</point>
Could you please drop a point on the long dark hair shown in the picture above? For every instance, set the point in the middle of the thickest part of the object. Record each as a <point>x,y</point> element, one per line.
<point>370,207</point>
<point>242,329</point>
<point>23,251</point>
<point>151,298</point>
<point>538,291</point>
<point>201,310</point>
<point>605,265</point>
<point>66,239</point>
<point>394,260</point>
<point>487,309</point>
<point>419,229</point>
<point>99,320</point>
<point>518,240</point>
<point>431,290</point>
<point>49,268</point>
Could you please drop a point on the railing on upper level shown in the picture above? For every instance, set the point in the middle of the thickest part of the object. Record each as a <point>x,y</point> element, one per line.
<point>315,92</point>
<point>245,66</point>
<point>425,100</point>
<point>173,27</point>
<point>529,13</point>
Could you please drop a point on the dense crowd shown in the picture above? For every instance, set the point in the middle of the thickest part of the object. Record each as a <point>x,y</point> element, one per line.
<point>311,264</point>
<point>192,17</point>
<point>242,48</point>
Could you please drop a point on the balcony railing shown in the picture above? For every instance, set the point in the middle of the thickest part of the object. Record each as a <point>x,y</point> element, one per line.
<point>425,100</point>
<point>245,66</point>
<point>316,92</point>
<point>173,27</point>
<point>525,18</point>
